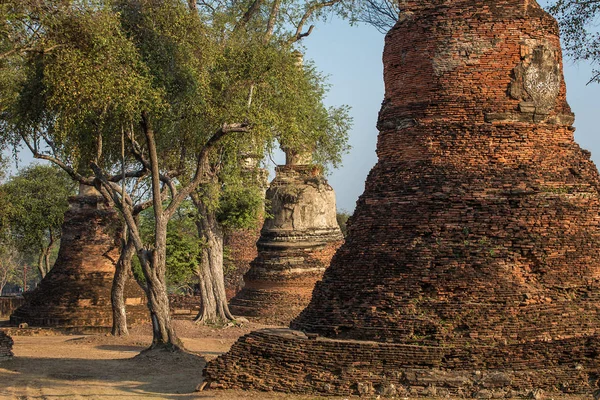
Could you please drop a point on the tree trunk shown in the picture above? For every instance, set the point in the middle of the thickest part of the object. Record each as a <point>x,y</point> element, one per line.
<point>122,273</point>
<point>154,266</point>
<point>41,264</point>
<point>47,252</point>
<point>213,301</point>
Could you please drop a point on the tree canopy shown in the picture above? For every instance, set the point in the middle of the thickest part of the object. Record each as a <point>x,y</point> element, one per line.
<point>578,21</point>
<point>139,93</point>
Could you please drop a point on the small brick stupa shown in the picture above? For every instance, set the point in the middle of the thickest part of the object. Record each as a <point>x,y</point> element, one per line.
<point>6,344</point>
<point>76,291</point>
<point>472,262</point>
<point>295,246</point>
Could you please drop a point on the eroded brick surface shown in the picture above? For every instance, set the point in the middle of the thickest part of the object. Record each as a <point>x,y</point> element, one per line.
<point>6,344</point>
<point>76,292</point>
<point>8,304</point>
<point>295,246</point>
<point>241,246</point>
<point>475,248</point>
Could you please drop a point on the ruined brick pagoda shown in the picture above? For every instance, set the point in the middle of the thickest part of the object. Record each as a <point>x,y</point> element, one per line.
<point>6,344</point>
<point>472,263</point>
<point>76,291</point>
<point>296,244</point>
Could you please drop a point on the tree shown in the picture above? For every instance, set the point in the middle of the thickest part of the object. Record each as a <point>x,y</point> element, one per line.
<point>115,92</point>
<point>299,120</point>
<point>579,31</point>
<point>9,263</point>
<point>38,201</point>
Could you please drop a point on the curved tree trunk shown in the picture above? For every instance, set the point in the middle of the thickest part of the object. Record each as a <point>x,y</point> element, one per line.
<point>117,294</point>
<point>213,301</point>
<point>47,251</point>
<point>41,264</point>
<point>153,266</point>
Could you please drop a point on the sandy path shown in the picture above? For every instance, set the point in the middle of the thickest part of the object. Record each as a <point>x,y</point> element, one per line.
<point>102,367</point>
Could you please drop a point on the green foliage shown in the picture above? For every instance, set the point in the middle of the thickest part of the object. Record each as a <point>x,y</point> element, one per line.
<point>241,207</point>
<point>183,252</point>
<point>183,247</point>
<point>578,21</point>
<point>38,201</point>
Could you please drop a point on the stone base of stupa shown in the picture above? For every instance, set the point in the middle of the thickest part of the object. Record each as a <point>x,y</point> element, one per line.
<point>280,284</point>
<point>289,361</point>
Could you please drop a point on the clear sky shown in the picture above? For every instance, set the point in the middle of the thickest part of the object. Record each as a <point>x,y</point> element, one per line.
<point>351,56</point>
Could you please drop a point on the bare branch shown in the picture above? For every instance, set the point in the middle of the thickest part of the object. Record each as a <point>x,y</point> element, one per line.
<point>253,9</point>
<point>69,170</point>
<point>202,165</point>
<point>305,18</point>
<point>272,19</point>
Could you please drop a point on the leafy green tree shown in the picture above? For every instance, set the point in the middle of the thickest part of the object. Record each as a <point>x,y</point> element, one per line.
<point>38,201</point>
<point>578,21</point>
<point>118,92</point>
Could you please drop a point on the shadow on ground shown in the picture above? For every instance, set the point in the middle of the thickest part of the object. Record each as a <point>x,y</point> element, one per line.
<point>156,374</point>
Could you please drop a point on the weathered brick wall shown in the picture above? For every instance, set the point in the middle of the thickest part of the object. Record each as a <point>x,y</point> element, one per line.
<point>476,244</point>
<point>183,306</point>
<point>291,361</point>
<point>295,246</point>
<point>241,246</point>
<point>76,292</point>
<point>477,221</point>
<point>6,344</point>
<point>8,304</point>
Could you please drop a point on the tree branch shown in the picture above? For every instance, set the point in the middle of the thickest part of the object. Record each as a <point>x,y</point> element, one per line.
<point>69,170</point>
<point>309,12</point>
<point>202,165</point>
<point>253,9</point>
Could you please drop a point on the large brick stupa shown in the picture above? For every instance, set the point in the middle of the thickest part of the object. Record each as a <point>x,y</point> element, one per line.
<point>472,262</point>
<point>76,291</point>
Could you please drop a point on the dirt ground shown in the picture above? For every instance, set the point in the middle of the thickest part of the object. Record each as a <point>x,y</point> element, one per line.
<point>49,366</point>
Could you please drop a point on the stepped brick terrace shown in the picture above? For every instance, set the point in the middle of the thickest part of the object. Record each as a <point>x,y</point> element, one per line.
<point>76,292</point>
<point>295,246</point>
<point>472,262</point>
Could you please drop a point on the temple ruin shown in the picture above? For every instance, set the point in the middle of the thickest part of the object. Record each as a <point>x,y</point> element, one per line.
<point>296,244</point>
<point>472,262</point>
<point>6,344</point>
<point>76,292</point>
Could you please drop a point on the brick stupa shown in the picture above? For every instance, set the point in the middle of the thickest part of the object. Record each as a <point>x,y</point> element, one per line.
<point>76,291</point>
<point>296,244</point>
<point>472,262</point>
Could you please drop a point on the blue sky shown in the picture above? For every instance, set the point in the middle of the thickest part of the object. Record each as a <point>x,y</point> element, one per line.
<point>351,56</point>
